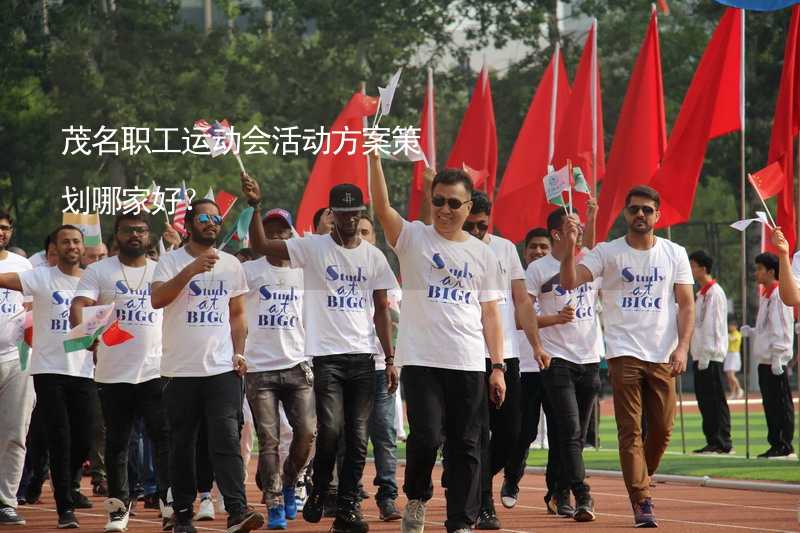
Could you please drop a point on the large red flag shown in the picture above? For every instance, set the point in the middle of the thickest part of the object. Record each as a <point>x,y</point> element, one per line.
<point>334,168</point>
<point>641,125</point>
<point>785,125</point>
<point>581,138</point>
<point>712,107</point>
<point>427,142</point>
<point>476,143</point>
<point>521,204</point>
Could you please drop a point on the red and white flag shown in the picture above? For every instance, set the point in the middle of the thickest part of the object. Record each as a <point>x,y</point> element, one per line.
<point>179,217</point>
<point>218,136</point>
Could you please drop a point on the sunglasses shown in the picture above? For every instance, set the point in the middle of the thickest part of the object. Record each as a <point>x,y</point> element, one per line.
<point>452,203</point>
<point>130,230</point>
<point>469,226</point>
<point>205,219</point>
<point>646,209</point>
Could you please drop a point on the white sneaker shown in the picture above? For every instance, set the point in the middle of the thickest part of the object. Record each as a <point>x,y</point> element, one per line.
<point>300,495</point>
<point>206,510</point>
<point>221,505</point>
<point>166,509</point>
<point>117,515</point>
<point>413,517</point>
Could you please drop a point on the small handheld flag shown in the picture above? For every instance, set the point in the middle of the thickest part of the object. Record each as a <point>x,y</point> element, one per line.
<point>220,138</point>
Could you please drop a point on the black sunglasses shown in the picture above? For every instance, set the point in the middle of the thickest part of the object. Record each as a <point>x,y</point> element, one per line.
<point>452,203</point>
<point>469,226</point>
<point>646,209</point>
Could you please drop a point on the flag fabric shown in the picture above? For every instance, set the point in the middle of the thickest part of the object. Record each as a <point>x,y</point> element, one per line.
<point>713,106</point>
<point>642,124</point>
<point>556,183</point>
<point>88,223</point>
<point>114,335</point>
<point>332,169</point>
<point>387,93</point>
<point>476,143</point>
<point>579,181</point>
<point>759,5</point>
<point>179,216</point>
<point>240,231</point>
<point>210,194</point>
<point>218,136</point>
<point>95,318</point>
<point>768,181</point>
<point>521,203</point>
<point>477,176</point>
<point>663,7</point>
<point>427,141</point>
<point>404,146</point>
<point>225,201</point>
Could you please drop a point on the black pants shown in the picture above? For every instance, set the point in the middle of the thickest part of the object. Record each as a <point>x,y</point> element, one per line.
<point>533,401</point>
<point>68,406</point>
<point>709,387</point>
<point>445,404</point>
<point>217,399</point>
<point>778,408</point>
<point>205,474</point>
<point>573,388</point>
<point>344,388</point>
<point>122,403</point>
<point>501,434</point>
<point>34,472</point>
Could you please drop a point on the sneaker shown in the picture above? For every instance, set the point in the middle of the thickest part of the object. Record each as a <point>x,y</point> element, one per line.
<point>276,517</point>
<point>387,511</point>
<point>289,503</point>
<point>726,451</point>
<point>182,521</point>
<point>349,520</point>
<point>312,510</point>
<point>487,518</point>
<point>300,495</point>
<point>330,506</point>
<point>117,515</point>
<point>509,494</point>
<point>563,502</point>
<point>643,514</point>
<point>187,527</point>
<point>100,487</point>
<point>67,520</point>
<point>165,509</point>
<point>167,523</point>
<point>79,501</point>
<point>772,452</point>
<point>463,530</point>
<point>706,449</point>
<point>246,520</point>
<point>33,494</point>
<point>206,510</point>
<point>584,508</point>
<point>9,516</point>
<point>413,517</point>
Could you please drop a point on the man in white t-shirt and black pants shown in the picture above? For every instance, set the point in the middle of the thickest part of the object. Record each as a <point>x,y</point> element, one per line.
<point>450,316</point>
<point>501,430</point>
<point>278,371</point>
<point>346,280</point>
<point>128,375</point>
<point>572,381</point>
<point>202,291</point>
<point>647,333</point>
<point>63,381</point>
<point>16,385</point>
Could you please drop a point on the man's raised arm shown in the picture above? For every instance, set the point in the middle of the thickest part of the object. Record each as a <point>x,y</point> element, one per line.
<point>572,275</point>
<point>390,219</point>
<point>258,240</point>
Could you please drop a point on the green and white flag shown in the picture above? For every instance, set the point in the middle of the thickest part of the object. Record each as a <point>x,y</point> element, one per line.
<point>95,320</point>
<point>556,183</point>
<point>580,181</point>
<point>88,223</point>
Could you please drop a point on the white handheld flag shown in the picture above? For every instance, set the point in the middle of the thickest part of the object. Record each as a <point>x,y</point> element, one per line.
<point>387,93</point>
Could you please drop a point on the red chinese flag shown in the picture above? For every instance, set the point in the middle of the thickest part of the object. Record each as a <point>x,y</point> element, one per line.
<point>768,181</point>
<point>641,124</point>
<point>114,335</point>
<point>476,143</point>
<point>521,204</point>
<point>712,107</point>
<point>332,169</point>
<point>427,142</point>
<point>225,201</point>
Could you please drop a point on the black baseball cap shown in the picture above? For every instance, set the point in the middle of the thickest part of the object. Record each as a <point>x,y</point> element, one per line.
<point>346,197</point>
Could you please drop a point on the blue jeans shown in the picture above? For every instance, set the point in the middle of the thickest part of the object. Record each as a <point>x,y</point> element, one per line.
<point>384,439</point>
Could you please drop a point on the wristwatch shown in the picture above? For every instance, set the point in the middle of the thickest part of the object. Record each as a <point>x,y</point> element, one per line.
<point>499,366</point>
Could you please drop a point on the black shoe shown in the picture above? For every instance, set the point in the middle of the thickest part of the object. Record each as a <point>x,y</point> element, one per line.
<point>188,527</point>
<point>67,520</point>
<point>487,519</point>
<point>708,448</point>
<point>100,487</point>
<point>509,494</point>
<point>349,520</point>
<point>772,452</point>
<point>79,501</point>
<point>151,501</point>
<point>387,511</point>
<point>246,520</point>
<point>33,495</point>
<point>564,506</point>
<point>362,494</point>
<point>167,524</point>
<point>584,508</point>
<point>312,510</point>
<point>182,521</point>
<point>9,516</point>
<point>330,506</point>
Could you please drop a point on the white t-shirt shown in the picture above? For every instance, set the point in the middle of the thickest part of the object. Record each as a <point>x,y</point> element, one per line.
<point>339,283</point>
<point>197,328</point>
<point>275,333</point>
<point>526,361</point>
<point>444,284</point>
<point>796,266</point>
<point>509,268</point>
<point>579,341</point>
<point>39,259</point>
<point>710,336</point>
<point>640,314</point>
<point>774,339</point>
<point>395,296</point>
<point>52,292</point>
<point>138,359</point>
<point>12,314</point>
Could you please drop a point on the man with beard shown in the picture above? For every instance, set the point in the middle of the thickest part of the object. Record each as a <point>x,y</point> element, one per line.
<point>128,374</point>
<point>648,318</point>
<point>16,386</point>
<point>63,381</point>
<point>202,293</point>
<point>345,280</point>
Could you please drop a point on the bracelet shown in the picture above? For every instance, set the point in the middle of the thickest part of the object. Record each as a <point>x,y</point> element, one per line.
<point>254,204</point>
<point>390,361</point>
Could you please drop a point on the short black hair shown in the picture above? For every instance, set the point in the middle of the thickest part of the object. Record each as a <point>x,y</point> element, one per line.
<point>770,262</point>
<point>140,217</point>
<point>365,216</point>
<point>536,232</point>
<point>193,208</point>
<point>452,176</point>
<point>317,217</point>
<point>644,191</point>
<point>7,216</point>
<point>480,204</point>
<point>555,220</point>
<point>62,227</point>
<point>702,259</point>
<point>48,240</point>
<point>246,252</point>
